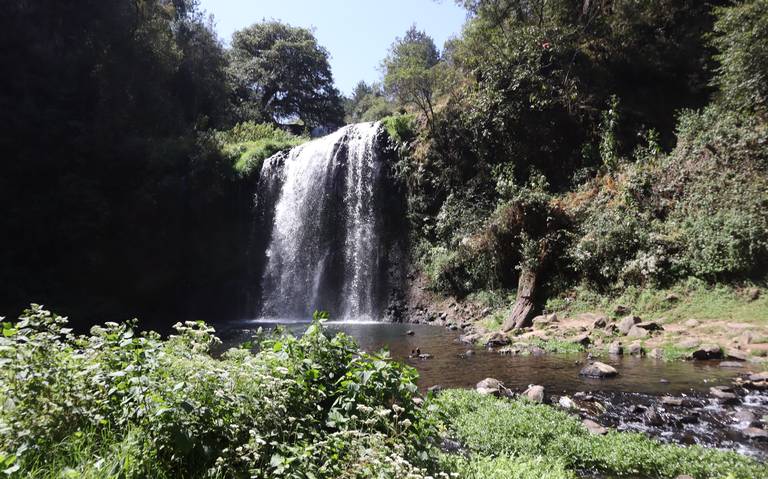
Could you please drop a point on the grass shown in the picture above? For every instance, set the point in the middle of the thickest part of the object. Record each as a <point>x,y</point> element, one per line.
<point>248,144</point>
<point>557,346</point>
<point>514,436</point>
<point>696,299</point>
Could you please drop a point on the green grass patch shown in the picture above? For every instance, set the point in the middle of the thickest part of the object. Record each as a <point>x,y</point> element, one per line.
<point>248,144</point>
<point>557,346</point>
<point>519,432</point>
<point>696,299</point>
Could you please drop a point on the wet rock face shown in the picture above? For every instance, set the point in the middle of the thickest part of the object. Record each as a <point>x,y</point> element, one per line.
<point>491,386</point>
<point>598,370</point>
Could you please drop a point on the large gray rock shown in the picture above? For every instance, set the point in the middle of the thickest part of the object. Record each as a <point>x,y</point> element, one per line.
<point>566,403</point>
<point>736,355</point>
<point>497,339</point>
<point>582,339</point>
<point>637,332</point>
<point>626,324</point>
<point>635,349</point>
<point>616,348</point>
<point>535,393</point>
<point>598,370</point>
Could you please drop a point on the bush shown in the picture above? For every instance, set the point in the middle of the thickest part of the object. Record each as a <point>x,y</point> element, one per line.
<point>121,404</point>
<point>401,127</point>
<point>248,144</point>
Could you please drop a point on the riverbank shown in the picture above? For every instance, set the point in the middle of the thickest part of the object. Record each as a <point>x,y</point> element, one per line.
<point>118,402</point>
<point>688,321</point>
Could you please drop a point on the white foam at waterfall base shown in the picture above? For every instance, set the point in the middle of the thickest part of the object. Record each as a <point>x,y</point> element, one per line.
<point>321,251</point>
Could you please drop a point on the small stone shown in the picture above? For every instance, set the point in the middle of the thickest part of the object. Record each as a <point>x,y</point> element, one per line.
<point>566,403</point>
<point>470,338</point>
<point>469,352</point>
<point>409,332</point>
<point>635,349</point>
<point>598,370</point>
<point>497,339</point>
<point>753,294</point>
<point>437,388</point>
<point>759,377</point>
<point>593,427</point>
<point>755,434</point>
<point>626,324</point>
<point>656,353</point>
<point>730,364</point>
<point>616,348</point>
<point>672,298</point>
<point>621,310</point>
<point>691,323</point>
<point>425,356</point>
<point>535,393</point>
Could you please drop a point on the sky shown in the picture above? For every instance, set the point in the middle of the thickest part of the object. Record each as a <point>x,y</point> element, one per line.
<point>357,33</point>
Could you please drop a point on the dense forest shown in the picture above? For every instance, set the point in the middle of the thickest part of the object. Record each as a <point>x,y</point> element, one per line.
<point>553,153</point>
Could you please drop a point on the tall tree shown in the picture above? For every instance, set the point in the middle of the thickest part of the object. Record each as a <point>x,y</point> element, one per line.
<point>410,70</point>
<point>279,73</point>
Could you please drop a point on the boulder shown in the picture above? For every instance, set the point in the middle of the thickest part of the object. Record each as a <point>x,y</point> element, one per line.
<point>470,338</point>
<point>535,393</point>
<point>491,386</point>
<point>755,434</point>
<point>626,324</point>
<point>637,332</point>
<point>723,393</point>
<point>582,339</point>
<point>593,427</point>
<point>707,351</point>
<point>736,355</point>
<point>616,348</point>
<point>635,349</point>
<point>598,370</point>
<point>653,418</point>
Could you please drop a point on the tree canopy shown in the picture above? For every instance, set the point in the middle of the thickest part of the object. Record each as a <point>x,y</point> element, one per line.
<point>279,73</point>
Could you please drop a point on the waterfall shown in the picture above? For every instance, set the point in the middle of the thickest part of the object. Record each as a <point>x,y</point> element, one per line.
<point>322,209</point>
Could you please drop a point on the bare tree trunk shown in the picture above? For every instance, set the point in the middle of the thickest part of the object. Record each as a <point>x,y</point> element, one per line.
<point>521,313</point>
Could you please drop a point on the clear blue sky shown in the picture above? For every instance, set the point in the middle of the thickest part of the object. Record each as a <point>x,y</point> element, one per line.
<point>357,33</point>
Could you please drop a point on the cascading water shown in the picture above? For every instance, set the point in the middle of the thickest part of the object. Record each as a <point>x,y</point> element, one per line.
<point>322,208</point>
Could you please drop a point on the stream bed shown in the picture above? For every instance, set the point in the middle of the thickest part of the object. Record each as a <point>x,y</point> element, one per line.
<point>667,400</point>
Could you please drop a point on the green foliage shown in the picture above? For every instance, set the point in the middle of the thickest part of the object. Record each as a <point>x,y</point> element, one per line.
<point>609,148</point>
<point>524,432</point>
<point>368,103</point>
<point>741,38</point>
<point>401,128</point>
<point>410,71</point>
<point>248,144</point>
<point>122,404</point>
<point>279,73</point>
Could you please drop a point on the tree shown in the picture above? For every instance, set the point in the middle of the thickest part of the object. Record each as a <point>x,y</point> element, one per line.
<point>410,71</point>
<point>279,73</point>
<point>368,103</point>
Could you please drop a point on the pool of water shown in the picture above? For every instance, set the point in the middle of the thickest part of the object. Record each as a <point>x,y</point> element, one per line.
<point>451,367</point>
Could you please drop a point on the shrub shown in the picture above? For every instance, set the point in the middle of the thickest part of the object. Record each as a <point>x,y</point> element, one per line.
<point>118,403</point>
<point>248,144</point>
